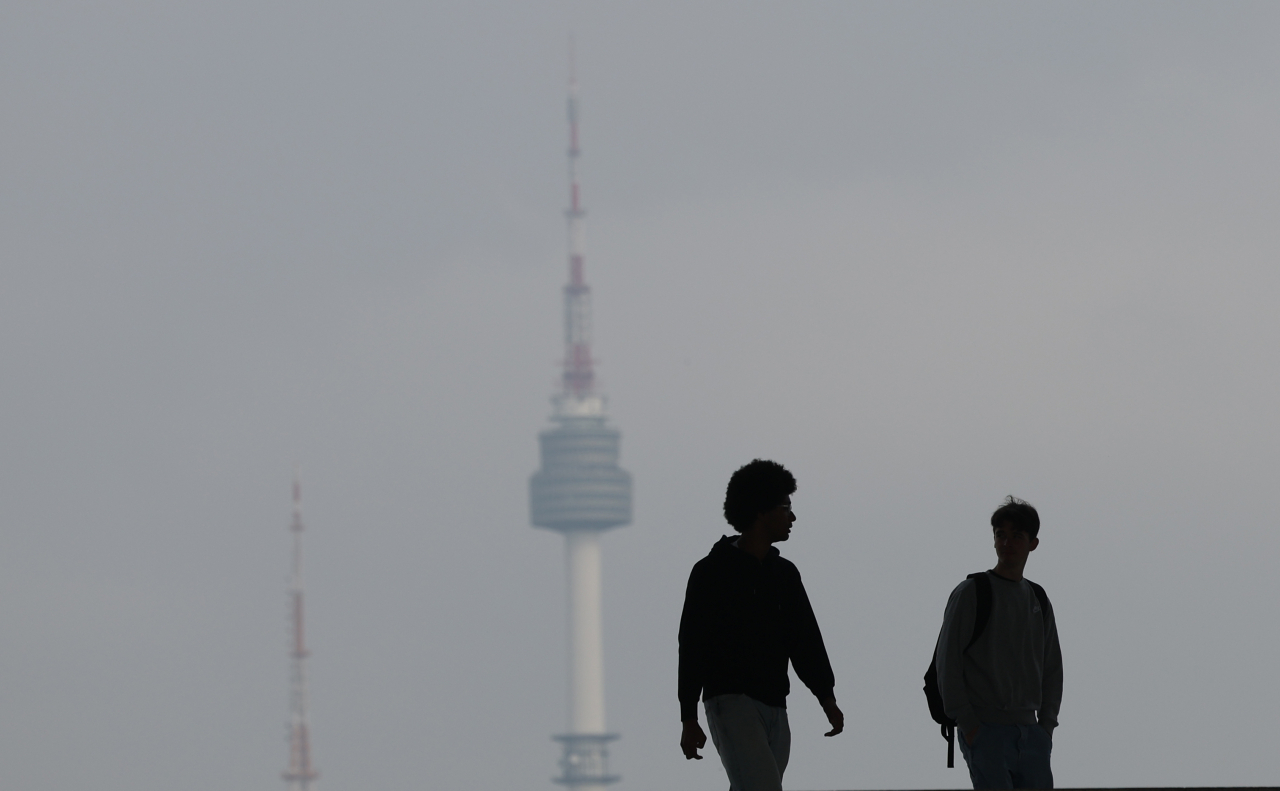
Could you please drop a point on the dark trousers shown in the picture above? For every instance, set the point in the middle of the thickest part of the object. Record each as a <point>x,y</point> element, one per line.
<point>1009,756</point>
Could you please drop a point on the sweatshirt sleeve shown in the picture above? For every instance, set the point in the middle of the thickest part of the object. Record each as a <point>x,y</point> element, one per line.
<point>957,629</point>
<point>809,653</point>
<point>1051,689</point>
<point>693,645</point>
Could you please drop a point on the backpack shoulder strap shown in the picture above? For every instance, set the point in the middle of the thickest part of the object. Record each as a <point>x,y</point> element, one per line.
<point>1041,596</point>
<point>982,586</point>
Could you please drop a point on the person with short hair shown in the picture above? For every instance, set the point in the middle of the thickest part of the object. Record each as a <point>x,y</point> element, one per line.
<point>746,615</point>
<point>1003,688</point>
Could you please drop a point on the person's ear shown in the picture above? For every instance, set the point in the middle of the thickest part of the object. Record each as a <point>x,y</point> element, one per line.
<point>1035,542</point>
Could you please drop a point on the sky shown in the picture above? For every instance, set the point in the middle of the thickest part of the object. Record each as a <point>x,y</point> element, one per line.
<point>925,255</point>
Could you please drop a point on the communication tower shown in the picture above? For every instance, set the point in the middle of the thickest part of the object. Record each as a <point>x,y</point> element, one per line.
<point>581,492</point>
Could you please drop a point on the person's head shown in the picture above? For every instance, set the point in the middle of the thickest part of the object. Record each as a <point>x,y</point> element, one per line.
<point>758,491</point>
<point>1015,526</point>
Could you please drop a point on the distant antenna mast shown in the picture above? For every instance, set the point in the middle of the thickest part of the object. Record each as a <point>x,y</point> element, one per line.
<point>301,776</point>
<point>579,374</point>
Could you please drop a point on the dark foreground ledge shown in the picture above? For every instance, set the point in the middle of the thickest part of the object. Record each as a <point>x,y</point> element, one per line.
<point>1157,788</point>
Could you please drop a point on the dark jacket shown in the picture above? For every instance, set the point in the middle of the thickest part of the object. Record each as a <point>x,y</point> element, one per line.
<point>743,619</point>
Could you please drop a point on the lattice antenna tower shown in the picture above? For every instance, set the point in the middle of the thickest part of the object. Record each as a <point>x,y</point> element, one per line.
<point>579,369</point>
<point>301,775</point>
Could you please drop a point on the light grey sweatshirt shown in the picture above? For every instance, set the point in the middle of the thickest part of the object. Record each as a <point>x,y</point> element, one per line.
<point>1013,674</point>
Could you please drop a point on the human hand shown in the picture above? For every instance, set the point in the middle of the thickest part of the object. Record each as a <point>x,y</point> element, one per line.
<point>692,739</point>
<point>971,735</point>
<point>834,715</point>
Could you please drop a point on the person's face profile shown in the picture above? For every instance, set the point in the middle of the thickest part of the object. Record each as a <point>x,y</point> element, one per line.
<point>778,520</point>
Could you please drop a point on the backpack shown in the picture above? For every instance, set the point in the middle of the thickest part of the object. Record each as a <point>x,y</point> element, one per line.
<point>982,586</point>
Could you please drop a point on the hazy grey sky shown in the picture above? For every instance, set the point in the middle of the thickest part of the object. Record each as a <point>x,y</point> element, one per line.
<point>926,255</point>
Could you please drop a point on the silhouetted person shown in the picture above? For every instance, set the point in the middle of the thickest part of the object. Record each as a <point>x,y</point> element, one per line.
<point>1004,687</point>
<point>745,615</point>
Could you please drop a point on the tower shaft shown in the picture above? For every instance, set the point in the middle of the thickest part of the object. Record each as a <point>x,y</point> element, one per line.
<point>586,637</point>
<point>301,775</point>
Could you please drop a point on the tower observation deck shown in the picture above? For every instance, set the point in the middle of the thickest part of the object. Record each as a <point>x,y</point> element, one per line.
<point>581,491</point>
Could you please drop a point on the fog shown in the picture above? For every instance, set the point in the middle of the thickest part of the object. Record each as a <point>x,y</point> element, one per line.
<point>924,255</point>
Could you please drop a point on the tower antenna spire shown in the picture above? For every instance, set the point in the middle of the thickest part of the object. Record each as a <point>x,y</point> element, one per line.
<point>578,389</point>
<point>301,775</point>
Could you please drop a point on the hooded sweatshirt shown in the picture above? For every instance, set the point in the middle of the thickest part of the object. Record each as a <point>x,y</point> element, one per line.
<point>1012,675</point>
<point>743,620</point>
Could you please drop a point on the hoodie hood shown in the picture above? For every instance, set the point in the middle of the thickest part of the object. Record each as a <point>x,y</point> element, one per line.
<point>725,544</point>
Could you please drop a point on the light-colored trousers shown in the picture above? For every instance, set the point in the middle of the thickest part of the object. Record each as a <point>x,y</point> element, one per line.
<point>753,739</point>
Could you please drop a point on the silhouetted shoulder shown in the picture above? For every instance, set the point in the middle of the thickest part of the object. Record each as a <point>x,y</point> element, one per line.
<point>786,567</point>
<point>704,568</point>
<point>965,590</point>
<point>718,558</point>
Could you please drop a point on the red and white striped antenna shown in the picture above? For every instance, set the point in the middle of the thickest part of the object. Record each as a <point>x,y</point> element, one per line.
<point>578,392</point>
<point>301,775</point>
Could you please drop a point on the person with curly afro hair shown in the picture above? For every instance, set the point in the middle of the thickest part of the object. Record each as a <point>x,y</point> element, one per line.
<point>746,615</point>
